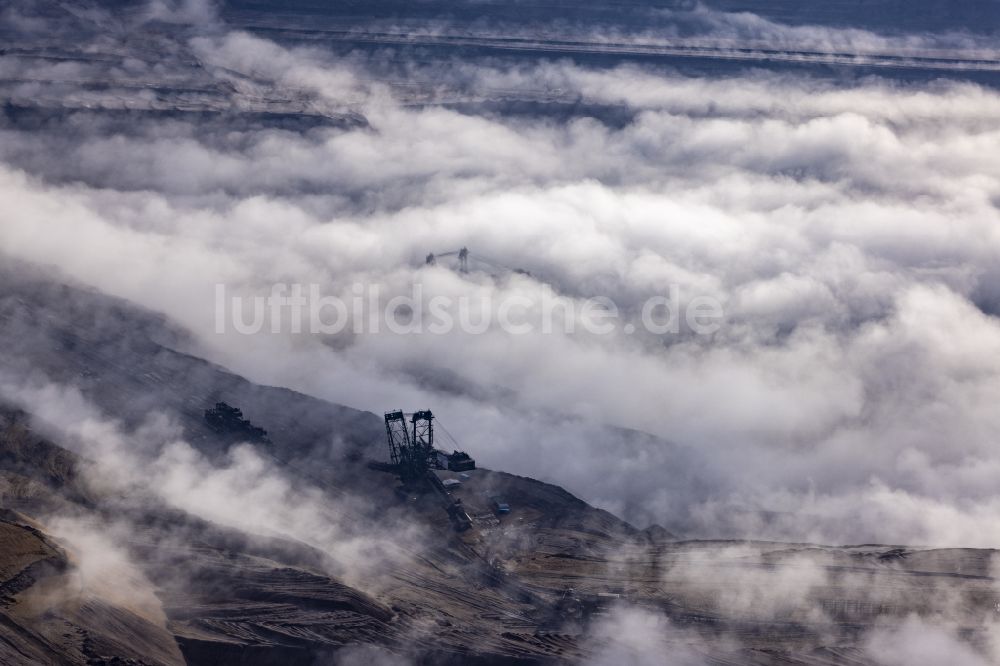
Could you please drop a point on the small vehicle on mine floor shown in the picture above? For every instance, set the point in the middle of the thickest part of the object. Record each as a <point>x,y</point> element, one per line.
<point>500,505</point>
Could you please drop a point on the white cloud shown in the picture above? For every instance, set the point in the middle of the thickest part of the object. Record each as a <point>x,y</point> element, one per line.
<point>849,232</point>
<point>919,643</point>
<point>636,637</point>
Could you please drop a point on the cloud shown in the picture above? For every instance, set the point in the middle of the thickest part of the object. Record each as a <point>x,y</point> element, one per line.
<point>919,643</point>
<point>638,637</point>
<point>154,461</point>
<point>103,569</point>
<point>847,230</point>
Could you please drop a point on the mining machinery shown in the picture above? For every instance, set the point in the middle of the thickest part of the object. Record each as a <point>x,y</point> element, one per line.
<point>414,458</point>
<point>411,446</point>
<point>481,262</point>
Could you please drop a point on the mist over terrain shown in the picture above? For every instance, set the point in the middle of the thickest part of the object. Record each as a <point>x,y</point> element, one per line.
<point>811,477</point>
<point>828,174</point>
<point>847,228</point>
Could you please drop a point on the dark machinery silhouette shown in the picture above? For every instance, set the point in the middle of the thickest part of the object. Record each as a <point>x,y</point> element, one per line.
<point>411,452</point>
<point>464,258</point>
<point>414,459</point>
<point>228,422</point>
<point>462,254</point>
<point>411,446</point>
<point>460,461</point>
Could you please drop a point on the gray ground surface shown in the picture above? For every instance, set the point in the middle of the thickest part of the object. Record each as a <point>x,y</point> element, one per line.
<point>525,587</point>
<point>533,586</point>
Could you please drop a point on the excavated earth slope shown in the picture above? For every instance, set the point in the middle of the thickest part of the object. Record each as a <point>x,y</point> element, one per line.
<point>531,586</point>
